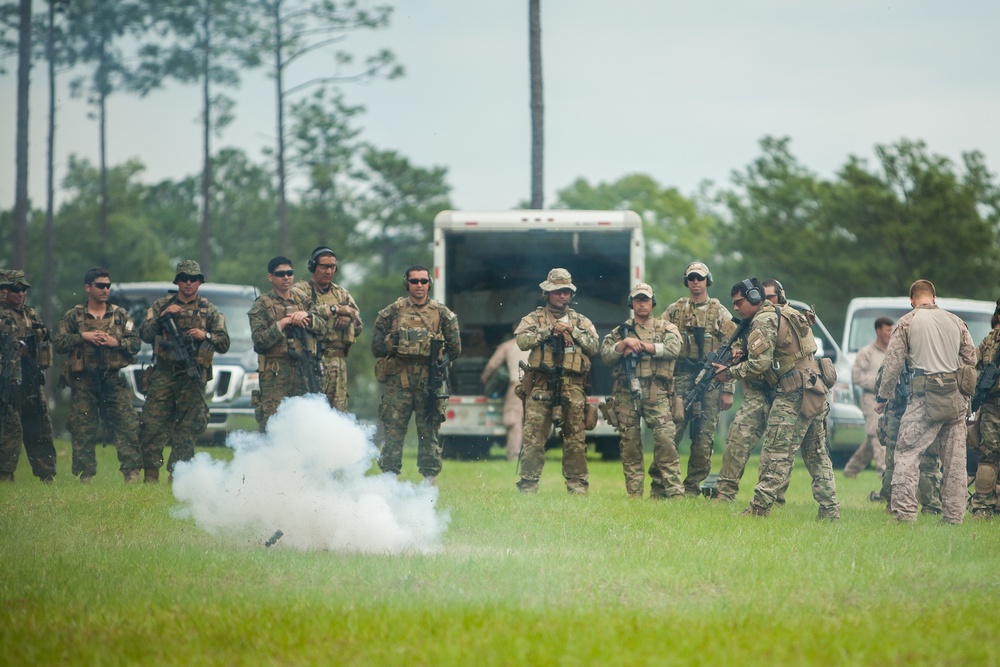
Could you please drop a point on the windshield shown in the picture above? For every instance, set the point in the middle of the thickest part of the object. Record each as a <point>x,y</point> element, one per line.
<point>863,325</point>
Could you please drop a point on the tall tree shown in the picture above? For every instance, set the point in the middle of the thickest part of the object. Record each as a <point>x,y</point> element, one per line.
<point>20,236</point>
<point>537,104</point>
<point>296,28</point>
<point>208,42</point>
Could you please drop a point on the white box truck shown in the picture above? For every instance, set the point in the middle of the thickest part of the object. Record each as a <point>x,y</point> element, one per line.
<point>487,267</point>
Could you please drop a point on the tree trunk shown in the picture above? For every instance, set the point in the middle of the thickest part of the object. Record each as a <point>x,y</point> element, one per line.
<point>102,104</point>
<point>19,258</point>
<point>206,176</point>
<point>537,105</point>
<point>283,235</point>
<point>48,276</point>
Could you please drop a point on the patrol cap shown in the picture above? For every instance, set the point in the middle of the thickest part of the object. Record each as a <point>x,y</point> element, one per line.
<point>558,279</point>
<point>641,289</point>
<point>16,277</point>
<point>697,268</point>
<point>189,267</point>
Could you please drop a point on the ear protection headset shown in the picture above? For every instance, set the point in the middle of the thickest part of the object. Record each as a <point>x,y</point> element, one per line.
<point>314,257</point>
<point>752,291</point>
<point>630,301</point>
<point>708,280</point>
<point>779,290</point>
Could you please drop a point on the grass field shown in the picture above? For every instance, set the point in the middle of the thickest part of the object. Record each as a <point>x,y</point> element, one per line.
<point>103,574</point>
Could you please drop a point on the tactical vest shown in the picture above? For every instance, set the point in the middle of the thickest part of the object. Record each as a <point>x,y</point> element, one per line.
<point>293,341</point>
<point>649,366</point>
<point>417,327</point>
<point>990,345</point>
<point>335,339</point>
<point>687,320</point>
<point>189,318</point>
<point>92,357</point>
<point>797,348</point>
<point>574,360</point>
<point>33,331</point>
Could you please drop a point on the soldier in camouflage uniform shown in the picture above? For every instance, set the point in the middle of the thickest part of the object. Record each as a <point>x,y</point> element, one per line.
<point>929,487</point>
<point>343,322</point>
<point>535,334</point>
<point>780,349</point>
<point>939,351</point>
<point>984,499</point>
<point>100,340</point>
<point>705,325</point>
<point>284,328</point>
<point>655,342</point>
<point>10,389</point>
<point>175,411</point>
<point>36,356</point>
<point>406,332</point>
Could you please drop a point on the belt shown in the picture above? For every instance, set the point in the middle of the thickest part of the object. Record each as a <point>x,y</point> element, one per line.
<point>335,352</point>
<point>918,372</point>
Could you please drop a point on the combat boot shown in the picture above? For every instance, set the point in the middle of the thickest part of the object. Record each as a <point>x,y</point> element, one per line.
<point>152,476</point>
<point>132,476</point>
<point>86,479</point>
<point>753,510</point>
<point>7,477</point>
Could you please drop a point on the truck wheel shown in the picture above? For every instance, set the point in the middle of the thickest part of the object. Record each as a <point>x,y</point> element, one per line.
<point>465,447</point>
<point>608,447</point>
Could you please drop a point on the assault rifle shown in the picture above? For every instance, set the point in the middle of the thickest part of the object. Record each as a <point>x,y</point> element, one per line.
<point>554,373</point>
<point>903,391</point>
<point>987,380</point>
<point>182,346</point>
<point>307,363</point>
<point>102,387</point>
<point>706,375</point>
<point>437,380</point>
<point>630,364</point>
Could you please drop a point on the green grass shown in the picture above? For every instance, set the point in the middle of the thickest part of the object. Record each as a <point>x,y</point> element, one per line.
<point>102,574</point>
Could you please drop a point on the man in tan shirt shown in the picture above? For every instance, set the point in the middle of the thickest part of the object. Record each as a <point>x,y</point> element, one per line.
<point>513,409</point>
<point>863,373</point>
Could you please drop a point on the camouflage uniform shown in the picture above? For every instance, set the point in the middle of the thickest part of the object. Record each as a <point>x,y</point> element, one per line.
<point>655,375</point>
<point>280,370</point>
<point>984,500</point>
<point>175,411</point>
<point>745,433</point>
<point>341,332</point>
<point>99,394</point>
<point>866,365</point>
<point>401,344</point>
<point>10,394</point>
<point>937,345</point>
<point>691,319</point>
<point>35,423</point>
<point>929,486</point>
<point>780,352</point>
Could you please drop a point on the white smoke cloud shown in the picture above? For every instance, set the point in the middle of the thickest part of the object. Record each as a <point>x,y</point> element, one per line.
<point>306,477</point>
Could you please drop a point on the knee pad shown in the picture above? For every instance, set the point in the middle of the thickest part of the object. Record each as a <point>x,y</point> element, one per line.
<point>986,478</point>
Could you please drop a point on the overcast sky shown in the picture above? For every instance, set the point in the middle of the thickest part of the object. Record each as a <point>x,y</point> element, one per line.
<point>680,90</point>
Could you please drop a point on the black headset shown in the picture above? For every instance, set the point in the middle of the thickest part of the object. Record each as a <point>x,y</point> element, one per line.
<point>630,302</point>
<point>316,254</point>
<point>708,278</point>
<point>752,291</point>
<point>779,291</point>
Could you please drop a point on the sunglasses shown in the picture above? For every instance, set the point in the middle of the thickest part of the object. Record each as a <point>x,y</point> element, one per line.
<point>737,302</point>
<point>327,267</point>
<point>695,276</point>
<point>101,285</point>
<point>283,274</point>
<point>17,289</point>
<point>418,281</point>
<point>185,278</point>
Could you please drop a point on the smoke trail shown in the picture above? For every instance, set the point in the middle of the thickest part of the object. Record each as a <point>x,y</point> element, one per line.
<point>306,477</point>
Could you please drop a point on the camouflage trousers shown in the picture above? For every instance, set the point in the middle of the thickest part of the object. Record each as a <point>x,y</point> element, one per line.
<point>984,500</point>
<point>537,426</point>
<point>745,433</point>
<point>916,435</point>
<point>29,424</point>
<point>279,379</point>
<point>335,379</point>
<point>406,396</point>
<point>929,484</point>
<point>787,430</point>
<point>701,430</point>
<point>175,414</point>
<point>871,450</point>
<point>665,469</point>
<point>89,416</point>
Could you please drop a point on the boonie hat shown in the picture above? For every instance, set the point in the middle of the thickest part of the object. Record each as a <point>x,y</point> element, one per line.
<point>558,279</point>
<point>697,268</point>
<point>189,267</point>
<point>641,289</point>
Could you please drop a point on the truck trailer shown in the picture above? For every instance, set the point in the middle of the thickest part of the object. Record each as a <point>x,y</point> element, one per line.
<point>487,268</point>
